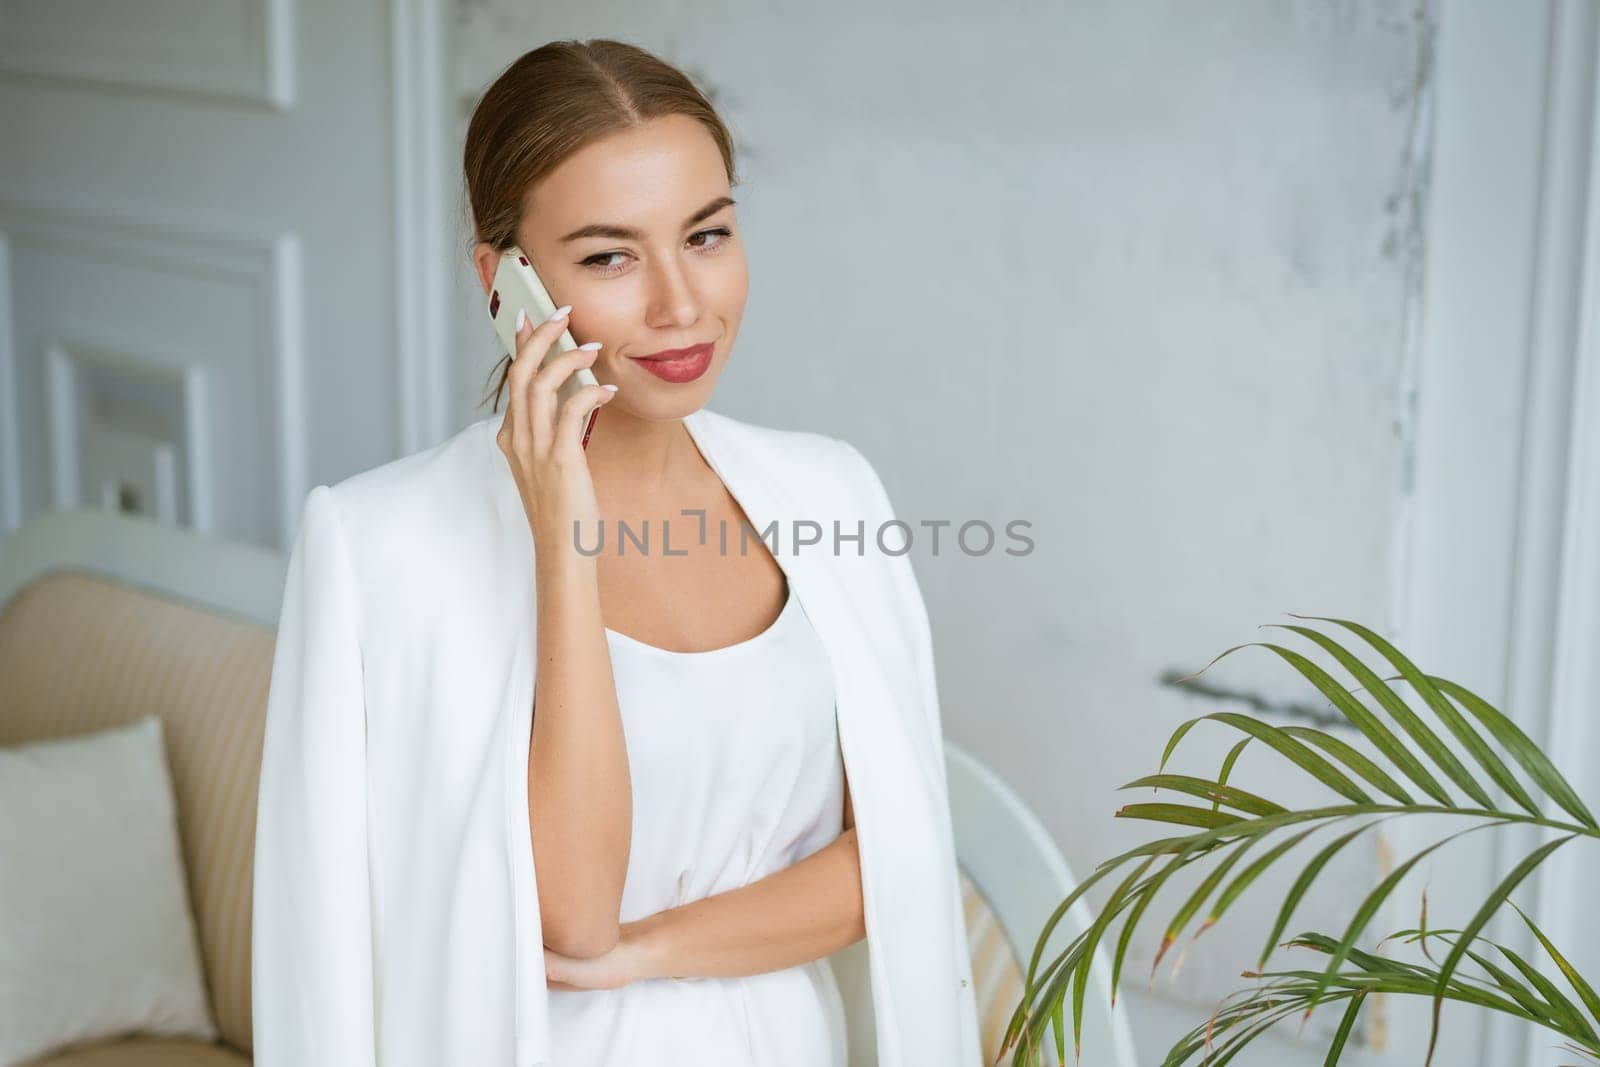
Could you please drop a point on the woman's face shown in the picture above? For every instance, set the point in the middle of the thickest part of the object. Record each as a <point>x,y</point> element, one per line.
<point>637,232</point>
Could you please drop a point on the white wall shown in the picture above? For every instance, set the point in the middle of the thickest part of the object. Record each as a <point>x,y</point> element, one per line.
<point>1138,273</point>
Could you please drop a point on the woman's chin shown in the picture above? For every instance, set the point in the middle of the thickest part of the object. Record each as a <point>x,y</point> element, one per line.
<point>658,400</point>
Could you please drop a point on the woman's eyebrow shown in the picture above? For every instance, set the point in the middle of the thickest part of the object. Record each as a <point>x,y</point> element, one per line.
<point>628,233</point>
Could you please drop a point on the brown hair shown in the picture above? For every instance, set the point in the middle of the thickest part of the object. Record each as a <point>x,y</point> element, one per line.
<point>551,102</point>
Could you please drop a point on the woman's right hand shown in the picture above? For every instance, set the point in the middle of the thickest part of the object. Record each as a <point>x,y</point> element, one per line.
<point>544,446</point>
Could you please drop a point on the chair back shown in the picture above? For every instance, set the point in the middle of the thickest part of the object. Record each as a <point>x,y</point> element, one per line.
<point>1012,879</point>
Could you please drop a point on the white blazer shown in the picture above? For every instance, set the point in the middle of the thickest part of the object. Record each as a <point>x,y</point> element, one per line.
<point>396,919</point>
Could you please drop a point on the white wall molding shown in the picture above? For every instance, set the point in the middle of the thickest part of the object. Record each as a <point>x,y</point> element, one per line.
<point>420,108</point>
<point>1570,326</point>
<point>264,262</point>
<point>240,51</point>
<point>10,438</point>
<point>1552,627</point>
<point>1505,578</point>
<point>175,471</point>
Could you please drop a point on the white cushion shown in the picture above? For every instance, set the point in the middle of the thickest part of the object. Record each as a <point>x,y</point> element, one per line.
<point>96,936</point>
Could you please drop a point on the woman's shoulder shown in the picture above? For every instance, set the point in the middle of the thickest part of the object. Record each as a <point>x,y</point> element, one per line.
<point>449,458</point>
<point>418,505</point>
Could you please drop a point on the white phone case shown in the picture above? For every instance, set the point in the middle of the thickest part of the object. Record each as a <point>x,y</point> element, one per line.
<point>516,286</point>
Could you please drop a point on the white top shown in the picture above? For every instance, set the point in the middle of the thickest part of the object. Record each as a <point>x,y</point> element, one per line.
<point>736,773</point>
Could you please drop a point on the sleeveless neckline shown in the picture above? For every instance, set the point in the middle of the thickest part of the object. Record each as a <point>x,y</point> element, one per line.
<point>791,604</point>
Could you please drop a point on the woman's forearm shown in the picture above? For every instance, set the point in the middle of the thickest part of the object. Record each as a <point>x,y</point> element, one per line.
<point>580,797</point>
<point>806,911</point>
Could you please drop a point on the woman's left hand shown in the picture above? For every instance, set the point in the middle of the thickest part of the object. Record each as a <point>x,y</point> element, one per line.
<point>613,970</point>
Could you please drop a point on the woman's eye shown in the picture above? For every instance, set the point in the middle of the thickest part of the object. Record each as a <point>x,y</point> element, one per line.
<point>718,231</point>
<point>597,262</point>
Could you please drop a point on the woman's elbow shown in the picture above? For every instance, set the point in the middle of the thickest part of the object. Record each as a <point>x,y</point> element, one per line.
<point>585,941</point>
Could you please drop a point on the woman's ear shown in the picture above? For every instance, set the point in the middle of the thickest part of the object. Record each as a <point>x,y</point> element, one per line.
<point>484,260</point>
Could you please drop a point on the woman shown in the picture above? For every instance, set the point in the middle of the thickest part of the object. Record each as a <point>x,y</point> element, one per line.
<point>464,684</point>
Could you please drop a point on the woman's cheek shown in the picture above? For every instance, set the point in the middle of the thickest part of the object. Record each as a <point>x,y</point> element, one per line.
<point>732,282</point>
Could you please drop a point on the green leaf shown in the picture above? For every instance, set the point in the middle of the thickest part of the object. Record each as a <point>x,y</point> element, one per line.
<point>1060,1035</point>
<point>1160,845</point>
<point>1080,987</point>
<point>1307,760</point>
<point>1091,941</point>
<point>1128,925</point>
<point>1180,814</point>
<point>1076,968</point>
<point>1560,1008</point>
<point>1367,961</point>
<point>1141,895</point>
<point>1303,883</point>
<point>1368,723</point>
<point>1352,758</point>
<point>1346,1025</point>
<point>1208,790</point>
<point>1172,743</point>
<point>1202,893</point>
<point>1254,871</point>
<point>1370,905</point>
<point>1484,913</point>
<point>1413,724</point>
<point>1054,989</point>
<point>1227,766</point>
<point>1585,992</point>
<point>1280,993</point>
<point>1515,989</point>
<point>1061,910</point>
<point>1522,749</point>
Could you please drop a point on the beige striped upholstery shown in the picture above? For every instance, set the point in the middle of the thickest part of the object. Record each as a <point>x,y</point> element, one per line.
<point>143,1052</point>
<point>996,971</point>
<point>80,653</point>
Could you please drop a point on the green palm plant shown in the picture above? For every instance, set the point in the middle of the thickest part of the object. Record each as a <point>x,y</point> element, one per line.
<point>1229,825</point>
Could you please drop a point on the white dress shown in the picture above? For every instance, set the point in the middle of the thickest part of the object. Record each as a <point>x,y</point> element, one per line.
<point>737,774</point>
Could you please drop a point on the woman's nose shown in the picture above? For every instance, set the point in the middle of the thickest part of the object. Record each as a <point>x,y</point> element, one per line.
<point>672,299</point>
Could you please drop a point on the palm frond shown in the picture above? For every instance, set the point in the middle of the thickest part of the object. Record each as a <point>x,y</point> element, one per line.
<point>1411,750</point>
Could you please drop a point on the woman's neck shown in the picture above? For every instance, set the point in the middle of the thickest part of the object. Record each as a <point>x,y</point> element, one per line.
<point>641,459</point>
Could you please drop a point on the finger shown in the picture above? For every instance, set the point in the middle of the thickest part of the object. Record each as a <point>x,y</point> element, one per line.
<point>544,392</point>
<point>533,340</point>
<point>514,425</point>
<point>562,365</point>
<point>502,439</point>
<point>577,409</point>
<point>511,424</point>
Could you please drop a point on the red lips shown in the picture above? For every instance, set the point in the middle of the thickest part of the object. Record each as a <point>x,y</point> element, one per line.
<point>678,353</point>
<point>686,367</point>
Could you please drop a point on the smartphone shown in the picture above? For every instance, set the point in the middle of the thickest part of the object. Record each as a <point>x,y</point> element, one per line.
<point>516,287</point>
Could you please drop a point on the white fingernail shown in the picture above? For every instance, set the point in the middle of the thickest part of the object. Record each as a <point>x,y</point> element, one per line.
<point>608,385</point>
<point>589,346</point>
<point>558,312</point>
<point>522,317</point>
